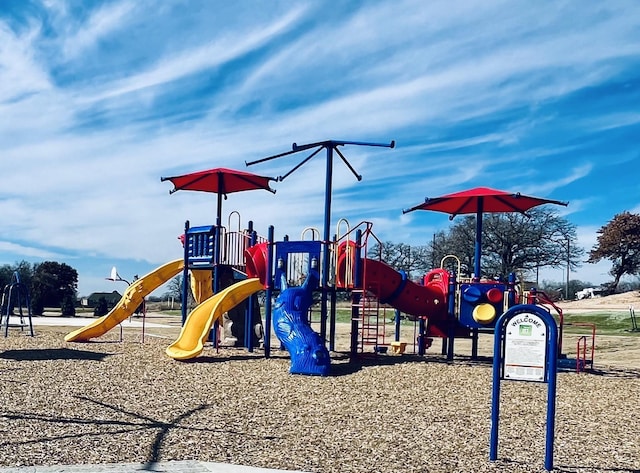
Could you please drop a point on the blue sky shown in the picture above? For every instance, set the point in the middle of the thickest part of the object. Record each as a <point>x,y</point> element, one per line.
<point>99,99</point>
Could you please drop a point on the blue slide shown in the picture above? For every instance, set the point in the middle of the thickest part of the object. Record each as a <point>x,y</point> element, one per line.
<point>290,323</point>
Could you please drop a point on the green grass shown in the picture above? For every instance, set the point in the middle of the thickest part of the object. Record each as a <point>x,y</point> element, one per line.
<point>606,322</point>
<point>172,312</point>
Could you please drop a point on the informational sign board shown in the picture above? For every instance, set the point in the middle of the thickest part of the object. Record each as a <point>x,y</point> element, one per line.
<point>525,348</point>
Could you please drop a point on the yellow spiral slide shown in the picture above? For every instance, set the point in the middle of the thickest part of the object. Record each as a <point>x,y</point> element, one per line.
<point>195,330</point>
<point>132,298</point>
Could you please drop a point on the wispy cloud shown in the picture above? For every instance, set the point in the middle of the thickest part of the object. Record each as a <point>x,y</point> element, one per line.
<point>562,178</point>
<point>213,53</point>
<point>22,75</point>
<point>98,101</point>
<point>20,251</point>
<point>105,20</point>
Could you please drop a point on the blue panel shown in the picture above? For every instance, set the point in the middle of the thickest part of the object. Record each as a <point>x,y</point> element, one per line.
<point>200,245</point>
<point>474,294</point>
<point>284,248</point>
<point>310,247</point>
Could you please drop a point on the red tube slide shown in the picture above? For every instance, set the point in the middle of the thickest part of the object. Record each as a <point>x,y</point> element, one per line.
<point>256,260</point>
<point>392,287</point>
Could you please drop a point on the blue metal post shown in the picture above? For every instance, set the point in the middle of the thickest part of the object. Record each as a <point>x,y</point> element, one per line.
<point>474,343</point>
<point>551,393</point>
<point>421,336</point>
<point>185,274</point>
<point>326,236</point>
<point>269,293</point>
<point>511,284</point>
<point>495,397</point>
<point>397,320</point>
<point>216,244</point>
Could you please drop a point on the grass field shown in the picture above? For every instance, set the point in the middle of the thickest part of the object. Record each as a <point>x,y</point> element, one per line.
<point>606,322</point>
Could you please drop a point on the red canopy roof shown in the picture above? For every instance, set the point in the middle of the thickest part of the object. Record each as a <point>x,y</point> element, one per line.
<point>482,199</point>
<point>220,181</point>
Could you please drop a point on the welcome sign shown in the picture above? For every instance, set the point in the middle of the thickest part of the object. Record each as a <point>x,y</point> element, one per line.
<point>525,348</point>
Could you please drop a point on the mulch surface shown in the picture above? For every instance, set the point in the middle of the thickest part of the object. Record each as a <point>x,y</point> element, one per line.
<point>108,401</point>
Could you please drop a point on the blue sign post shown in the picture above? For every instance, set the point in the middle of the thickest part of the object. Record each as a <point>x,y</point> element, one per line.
<point>525,349</point>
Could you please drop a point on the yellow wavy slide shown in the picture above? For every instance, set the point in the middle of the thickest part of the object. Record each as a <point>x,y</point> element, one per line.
<point>195,330</point>
<point>132,298</point>
<point>201,284</point>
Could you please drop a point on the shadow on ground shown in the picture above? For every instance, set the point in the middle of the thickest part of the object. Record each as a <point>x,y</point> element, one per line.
<point>120,421</point>
<point>52,354</point>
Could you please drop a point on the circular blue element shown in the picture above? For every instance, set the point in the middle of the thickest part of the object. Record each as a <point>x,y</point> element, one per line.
<point>472,294</point>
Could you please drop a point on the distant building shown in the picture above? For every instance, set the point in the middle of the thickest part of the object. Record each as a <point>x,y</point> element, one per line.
<point>112,299</point>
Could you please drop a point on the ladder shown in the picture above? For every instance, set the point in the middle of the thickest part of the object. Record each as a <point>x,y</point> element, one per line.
<point>372,317</point>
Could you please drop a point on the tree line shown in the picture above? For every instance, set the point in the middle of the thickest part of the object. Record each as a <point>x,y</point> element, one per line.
<point>50,284</point>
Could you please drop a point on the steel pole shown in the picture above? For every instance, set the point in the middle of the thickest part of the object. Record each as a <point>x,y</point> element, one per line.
<point>326,236</point>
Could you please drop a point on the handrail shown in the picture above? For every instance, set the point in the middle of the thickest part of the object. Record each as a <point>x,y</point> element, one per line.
<point>444,258</point>
<point>584,351</point>
<point>239,219</point>
<point>315,233</point>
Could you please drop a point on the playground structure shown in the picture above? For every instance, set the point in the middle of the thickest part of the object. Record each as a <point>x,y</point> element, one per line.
<point>444,304</point>
<point>16,295</point>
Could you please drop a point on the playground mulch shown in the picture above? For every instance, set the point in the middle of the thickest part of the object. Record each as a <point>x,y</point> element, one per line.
<point>113,402</point>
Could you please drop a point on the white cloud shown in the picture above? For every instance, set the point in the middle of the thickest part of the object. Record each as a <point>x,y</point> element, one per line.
<point>20,251</point>
<point>104,21</point>
<point>213,53</point>
<point>472,93</point>
<point>20,72</point>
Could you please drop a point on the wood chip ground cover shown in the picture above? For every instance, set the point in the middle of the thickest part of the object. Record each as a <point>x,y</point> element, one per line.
<point>113,402</point>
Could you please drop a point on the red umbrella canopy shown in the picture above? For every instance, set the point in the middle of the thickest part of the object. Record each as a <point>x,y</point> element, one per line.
<point>480,200</point>
<point>220,181</point>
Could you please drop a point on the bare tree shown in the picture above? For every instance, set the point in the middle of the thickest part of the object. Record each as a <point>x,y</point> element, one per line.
<point>413,260</point>
<point>517,243</point>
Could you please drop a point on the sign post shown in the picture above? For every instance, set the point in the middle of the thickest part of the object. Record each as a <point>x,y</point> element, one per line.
<point>525,349</point>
